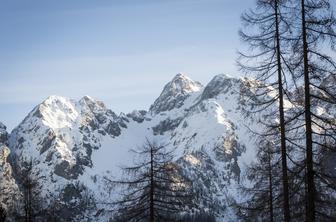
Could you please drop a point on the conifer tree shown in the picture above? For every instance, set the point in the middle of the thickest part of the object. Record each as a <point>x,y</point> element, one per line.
<point>154,190</point>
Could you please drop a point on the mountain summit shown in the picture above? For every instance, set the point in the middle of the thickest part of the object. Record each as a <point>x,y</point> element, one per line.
<point>83,142</point>
<point>174,93</point>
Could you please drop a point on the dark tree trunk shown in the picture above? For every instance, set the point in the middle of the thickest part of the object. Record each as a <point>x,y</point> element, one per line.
<point>151,206</point>
<point>30,218</point>
<point>309,142</point>
<point>270,186</point>
<point>282,121</point>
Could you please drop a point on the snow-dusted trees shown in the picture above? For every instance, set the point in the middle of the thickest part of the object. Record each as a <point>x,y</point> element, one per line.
<point>153,190</point>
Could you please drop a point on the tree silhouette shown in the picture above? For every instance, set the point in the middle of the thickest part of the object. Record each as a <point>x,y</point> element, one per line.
<point>153,189</point>
<point>266,28</point>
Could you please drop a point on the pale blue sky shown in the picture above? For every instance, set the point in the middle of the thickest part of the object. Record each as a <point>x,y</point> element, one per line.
<point>119,51</point>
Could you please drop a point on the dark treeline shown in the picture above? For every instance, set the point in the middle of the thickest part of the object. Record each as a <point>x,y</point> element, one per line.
<point>291,43</point>
<point>30,204</point>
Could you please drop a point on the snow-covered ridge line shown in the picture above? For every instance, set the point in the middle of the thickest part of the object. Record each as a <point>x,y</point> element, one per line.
<point>83,141</point>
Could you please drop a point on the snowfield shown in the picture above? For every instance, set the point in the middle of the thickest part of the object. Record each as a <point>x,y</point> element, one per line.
<point>84,141</point>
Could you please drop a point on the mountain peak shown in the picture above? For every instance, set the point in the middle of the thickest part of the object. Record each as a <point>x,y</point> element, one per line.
<point>58,112</point>
<point>182,84</point>
<point>174,93</point>
<point>221,83</point>
<point>55,111</point>
<point>180,76</point>
<point>87,99</point>
<point>53,99</point>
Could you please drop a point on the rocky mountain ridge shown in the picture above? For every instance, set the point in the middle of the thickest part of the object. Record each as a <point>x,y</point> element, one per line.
<point>84,142</point>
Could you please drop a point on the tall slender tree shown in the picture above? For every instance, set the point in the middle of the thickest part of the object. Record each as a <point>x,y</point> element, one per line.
<point>314,67</point>
<point>265,41</point>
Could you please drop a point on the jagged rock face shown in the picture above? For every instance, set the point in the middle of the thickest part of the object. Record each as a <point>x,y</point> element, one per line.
<point>8,186</point>
<point>138,116</point>
<point>221,84</point>
<point>83,141</point>
<point>62,134</point>
<point>174,93</point>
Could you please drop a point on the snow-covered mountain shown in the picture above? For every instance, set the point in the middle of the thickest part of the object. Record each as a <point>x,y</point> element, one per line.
<point>71,142</point>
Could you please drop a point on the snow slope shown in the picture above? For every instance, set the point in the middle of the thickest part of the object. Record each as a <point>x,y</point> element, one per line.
<point>83,141</point>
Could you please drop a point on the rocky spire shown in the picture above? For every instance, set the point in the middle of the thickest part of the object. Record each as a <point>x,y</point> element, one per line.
<point>174,93</point>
